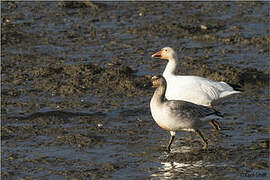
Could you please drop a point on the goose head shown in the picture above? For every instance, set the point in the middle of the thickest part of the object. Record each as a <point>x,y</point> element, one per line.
<point>165,53</point>
<point>158,81</point>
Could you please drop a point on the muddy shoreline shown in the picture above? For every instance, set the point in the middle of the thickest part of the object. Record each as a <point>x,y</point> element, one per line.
<point>76,87</point>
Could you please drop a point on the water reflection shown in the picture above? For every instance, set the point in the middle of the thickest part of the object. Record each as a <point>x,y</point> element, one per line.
<point>181,170</point>
<point>170,170</point>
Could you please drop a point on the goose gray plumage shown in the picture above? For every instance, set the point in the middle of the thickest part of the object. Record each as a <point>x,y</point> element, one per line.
<point>177,115</point>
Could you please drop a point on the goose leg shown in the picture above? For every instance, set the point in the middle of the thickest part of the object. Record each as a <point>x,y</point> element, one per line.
<point>215,124</point>
<point>171,140</point>
<point>170,143</point>
<point>202,138</point>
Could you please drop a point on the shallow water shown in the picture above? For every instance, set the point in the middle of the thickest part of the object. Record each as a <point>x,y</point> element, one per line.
<point>72,107</point>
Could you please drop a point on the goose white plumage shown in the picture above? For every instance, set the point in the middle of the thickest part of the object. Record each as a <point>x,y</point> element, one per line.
<point>194,89</point>
<point>176,115</point>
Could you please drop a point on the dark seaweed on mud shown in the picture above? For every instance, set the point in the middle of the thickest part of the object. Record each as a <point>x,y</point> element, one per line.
<point>75,88</point>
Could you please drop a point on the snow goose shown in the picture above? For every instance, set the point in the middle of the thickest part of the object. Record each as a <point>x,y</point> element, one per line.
<point>194,89</point>
<point>177,115</point>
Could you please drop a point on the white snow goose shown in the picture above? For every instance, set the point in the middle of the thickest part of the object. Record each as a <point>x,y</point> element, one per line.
<point>194,89</point>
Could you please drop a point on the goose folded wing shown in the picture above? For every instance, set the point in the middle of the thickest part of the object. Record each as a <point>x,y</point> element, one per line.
<point>184,107</point>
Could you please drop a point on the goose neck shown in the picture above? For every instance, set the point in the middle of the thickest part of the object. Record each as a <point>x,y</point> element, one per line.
<point>171,67</point>
<point>159,95</point>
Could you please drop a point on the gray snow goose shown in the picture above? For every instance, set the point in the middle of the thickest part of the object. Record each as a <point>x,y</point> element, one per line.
<point>179,115</point>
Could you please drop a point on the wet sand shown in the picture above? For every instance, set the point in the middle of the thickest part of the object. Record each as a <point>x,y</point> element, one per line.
<point>76,88</point>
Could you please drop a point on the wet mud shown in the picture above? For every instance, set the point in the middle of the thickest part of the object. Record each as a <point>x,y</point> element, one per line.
<point>75,89</point>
